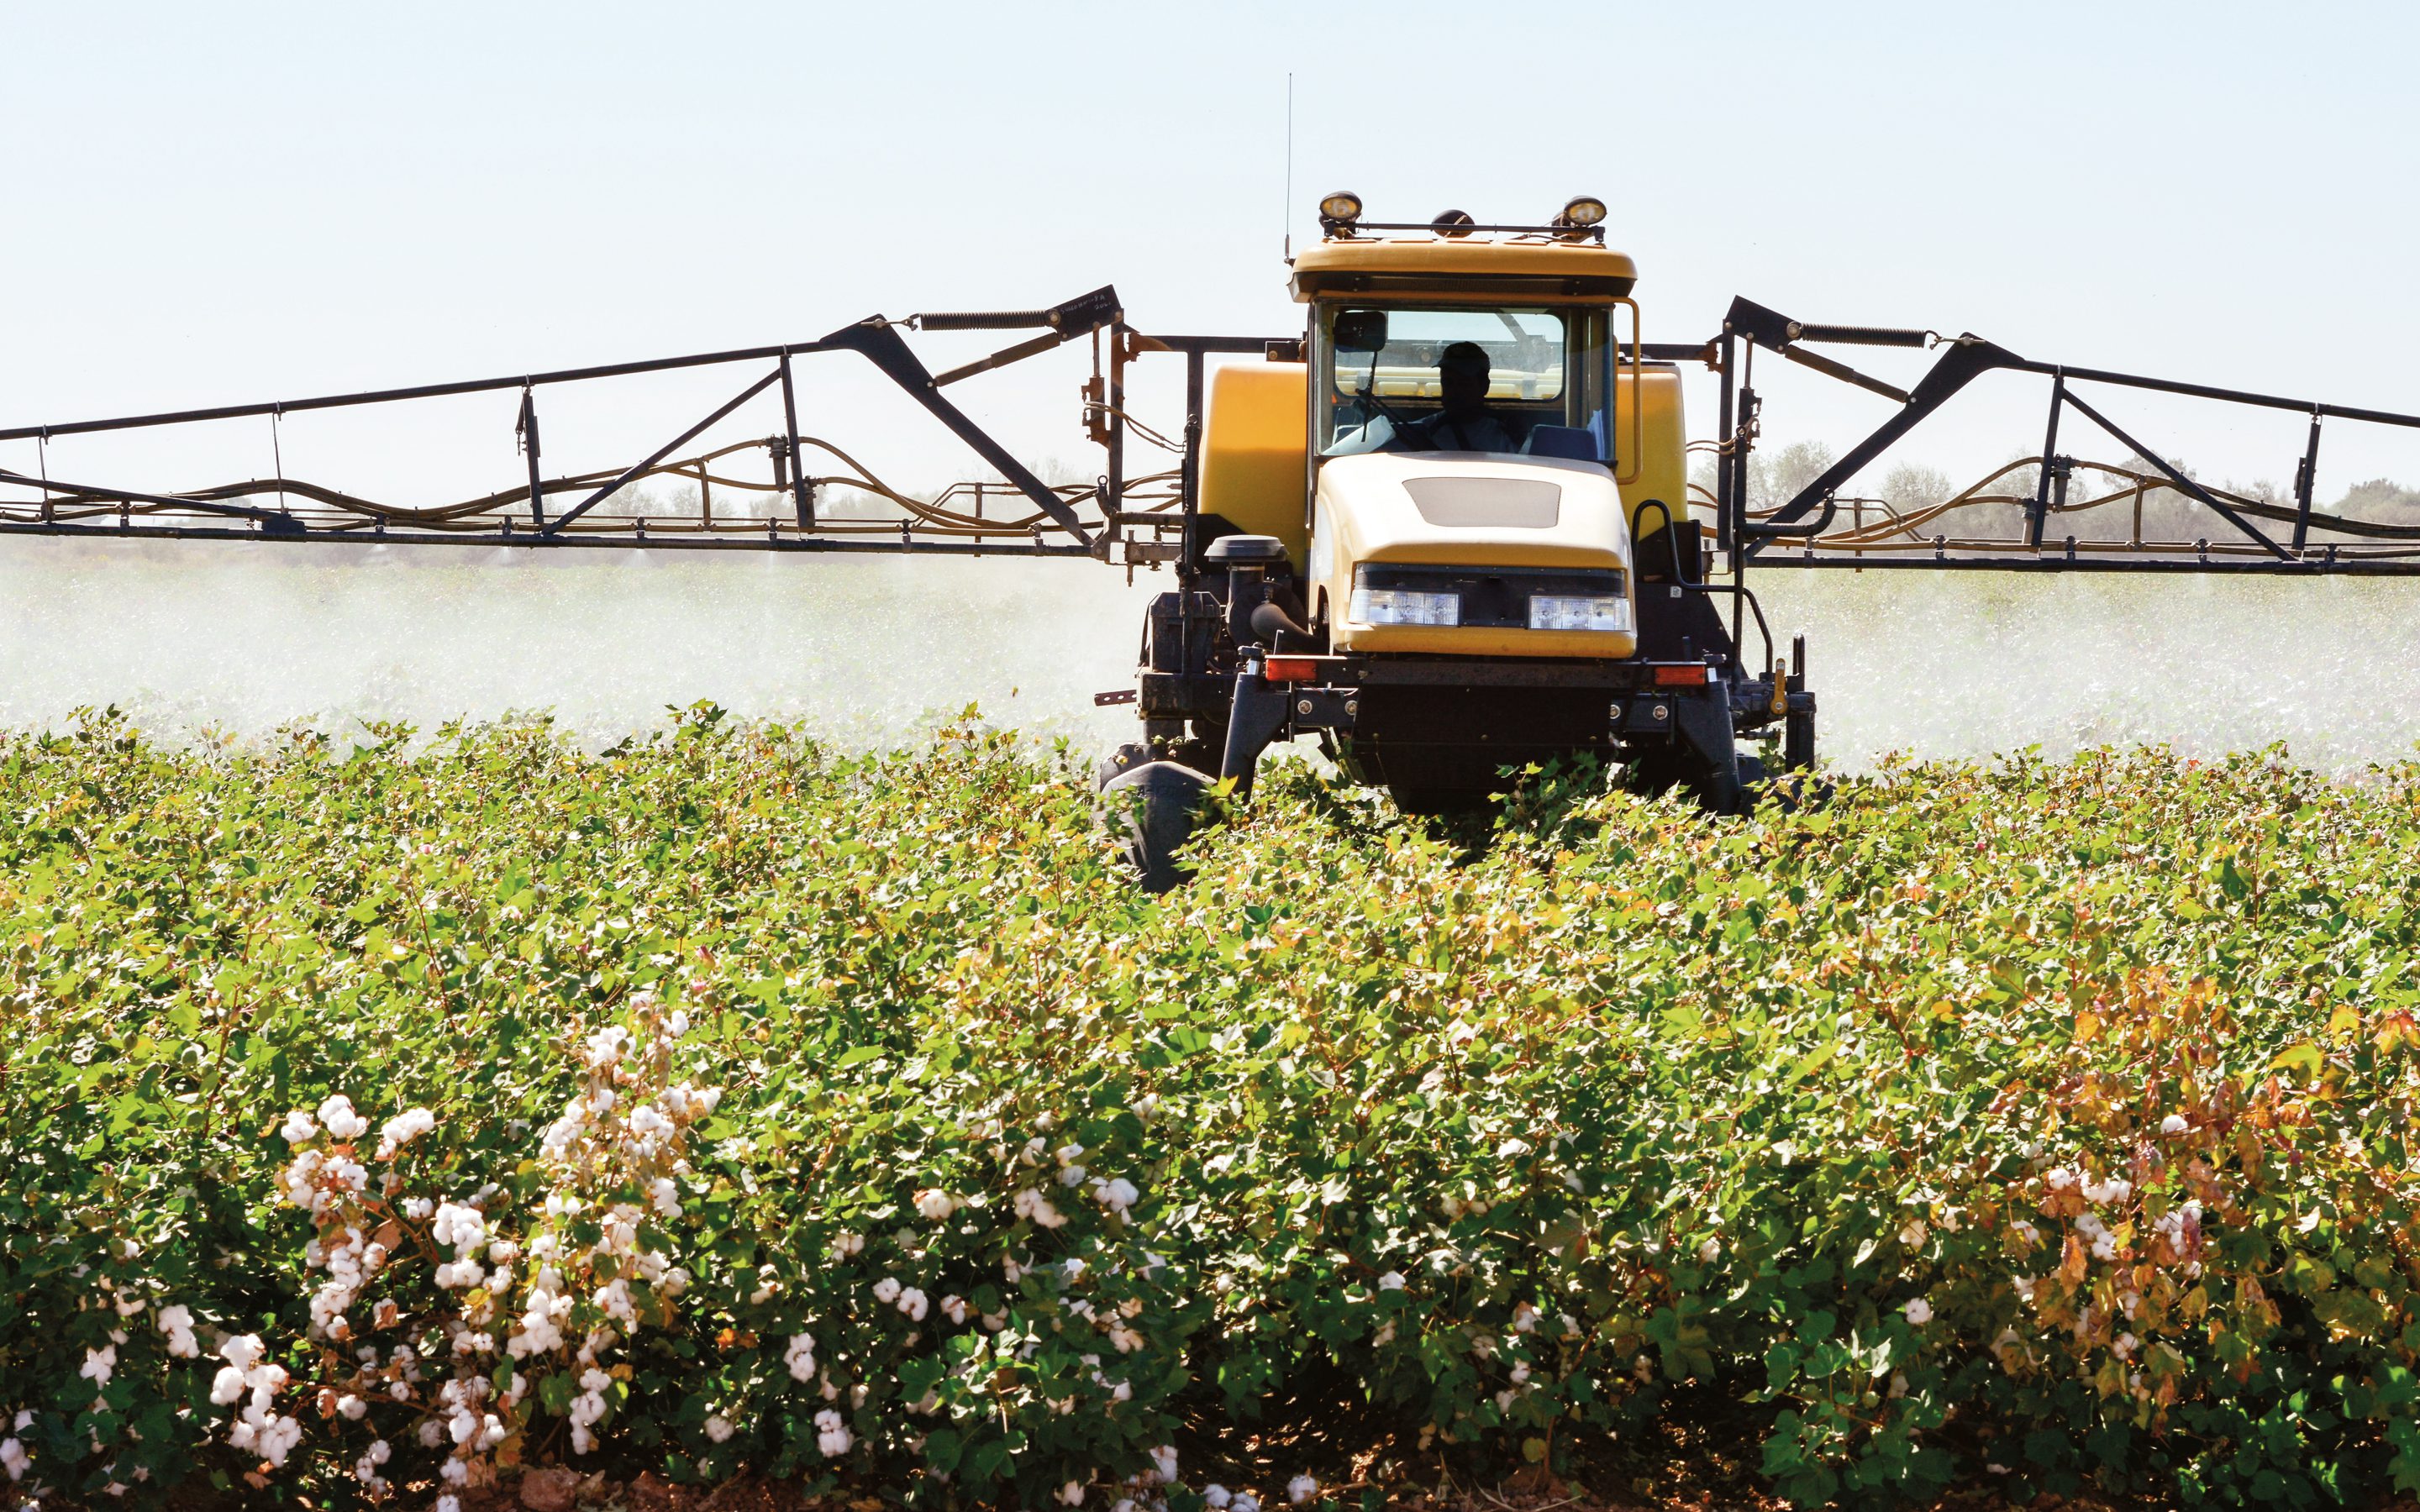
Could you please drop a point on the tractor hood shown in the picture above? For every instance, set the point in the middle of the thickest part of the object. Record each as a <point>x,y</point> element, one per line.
<point>1468,510</point>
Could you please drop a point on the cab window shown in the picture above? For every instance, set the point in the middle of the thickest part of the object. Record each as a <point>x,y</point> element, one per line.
<point>1443,378</point>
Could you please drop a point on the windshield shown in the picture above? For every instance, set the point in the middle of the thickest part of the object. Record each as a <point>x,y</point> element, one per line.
<point>1490,379</point>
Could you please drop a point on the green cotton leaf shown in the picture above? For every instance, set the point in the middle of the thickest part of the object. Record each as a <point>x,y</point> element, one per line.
<point>942,1449</point>
<point>860,1056</point>
<point>1808,1064</point>
<point>2304,1058</point>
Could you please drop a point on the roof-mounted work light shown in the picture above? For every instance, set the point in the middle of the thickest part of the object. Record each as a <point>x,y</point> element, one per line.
<point>1452,223</point>
<point>1581,211</point>
<point>1338,211</point>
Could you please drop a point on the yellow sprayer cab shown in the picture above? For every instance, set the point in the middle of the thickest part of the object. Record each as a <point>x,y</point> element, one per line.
<point>1447,532</point>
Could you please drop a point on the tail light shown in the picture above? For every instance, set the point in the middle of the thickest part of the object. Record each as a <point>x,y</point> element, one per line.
<point>1290,668</point>
<point>1680,675</point>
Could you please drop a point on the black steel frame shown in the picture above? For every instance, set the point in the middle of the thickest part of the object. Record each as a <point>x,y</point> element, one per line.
<point>875,339</point>
<point>1967,358</point>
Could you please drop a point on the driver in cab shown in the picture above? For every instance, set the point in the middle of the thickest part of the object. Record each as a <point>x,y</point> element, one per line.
<point>1463,422</point>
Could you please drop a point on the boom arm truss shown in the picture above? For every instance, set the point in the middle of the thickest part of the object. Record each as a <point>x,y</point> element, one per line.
<point>2242,536</point>
<point>781,512</point>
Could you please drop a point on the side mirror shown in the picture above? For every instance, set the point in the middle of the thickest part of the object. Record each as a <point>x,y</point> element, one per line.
<point>1360,330</point>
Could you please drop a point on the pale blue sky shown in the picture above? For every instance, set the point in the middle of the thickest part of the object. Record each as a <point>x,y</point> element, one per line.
<point>249,201</point>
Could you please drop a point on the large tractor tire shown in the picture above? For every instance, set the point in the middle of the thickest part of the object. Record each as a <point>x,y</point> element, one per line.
<point>1152,807</point>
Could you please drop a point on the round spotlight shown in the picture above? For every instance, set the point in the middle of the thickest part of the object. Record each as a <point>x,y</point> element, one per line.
<point>1341,208</point>
<point>1452,223</point>
<point>1583,209</point>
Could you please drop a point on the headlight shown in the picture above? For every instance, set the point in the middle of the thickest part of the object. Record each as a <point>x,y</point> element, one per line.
<point>1405,606</point>
<point>1592,612</point>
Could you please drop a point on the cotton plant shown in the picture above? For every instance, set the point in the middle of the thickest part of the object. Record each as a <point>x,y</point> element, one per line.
<point>441,1320</point>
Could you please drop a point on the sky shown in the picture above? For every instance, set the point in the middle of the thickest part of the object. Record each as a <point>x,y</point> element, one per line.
<point>244,202</point>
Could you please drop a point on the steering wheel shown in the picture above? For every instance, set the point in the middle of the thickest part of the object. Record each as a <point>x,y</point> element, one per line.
<point>1402,426</point>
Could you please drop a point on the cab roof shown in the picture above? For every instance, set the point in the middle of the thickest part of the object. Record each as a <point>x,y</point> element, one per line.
<point>1528,264</point>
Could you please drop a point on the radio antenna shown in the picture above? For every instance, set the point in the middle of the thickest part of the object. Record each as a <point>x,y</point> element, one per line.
<point>1288,220</point>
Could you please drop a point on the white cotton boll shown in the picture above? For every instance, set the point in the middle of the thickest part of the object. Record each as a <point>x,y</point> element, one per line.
<point>1524,1317</point>
<point>278,1437</point>
<point>1216,1497</point>
<point>708,1098</point>
<point>1914,1234</point>
<point>448,1502</point>
<point>911,1302</point>
<point>2175,1123</point>
<point>1244,1502</point>
<point>1521,1373</point>
<point>2114,1190</point>
<point>380,1453</point>
<point>887,1290</point>
<point>241,1352</point>
<point>954,1309</point>
<point>1117,1194</point>
<point>1072,1494</point>
<point>800,1357</point>
<point>1391,1281</point>
<point>1072,1176</point>
<point>1710,1251</point>
<point>403,1128</point>
<point>432,1432</point>
<point>342,1122</point>
<point>832,1435</point>
<point>1918,1311</point>
<point>605,1046</point>
<point>99,1363</point>
<point>1163,1463</point>
<point>678,1023</point>
<point>14,1459</point>
<point>351,1407</point>
<point>298,1127</point>
<point>664,1196</point>
<point>935,1204</point>
<point>719,1428</point>
<point>1301,1489</point>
